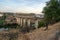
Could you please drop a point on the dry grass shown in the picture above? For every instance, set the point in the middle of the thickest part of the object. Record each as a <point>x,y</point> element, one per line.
<point>38,34</point>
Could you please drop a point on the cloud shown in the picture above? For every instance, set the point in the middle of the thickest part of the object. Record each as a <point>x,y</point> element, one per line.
<point>27,6</point>
<point>37,8</point>
<point>6,8</point>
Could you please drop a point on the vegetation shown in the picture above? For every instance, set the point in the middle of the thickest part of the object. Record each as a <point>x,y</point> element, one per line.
<point>14,25</point>
<point>41,24</point>
<point>52,11</point>
<point>4,17</point>
<point>2,21</point>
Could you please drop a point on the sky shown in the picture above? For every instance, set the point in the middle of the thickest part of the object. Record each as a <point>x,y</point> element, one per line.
<point>24,6</point>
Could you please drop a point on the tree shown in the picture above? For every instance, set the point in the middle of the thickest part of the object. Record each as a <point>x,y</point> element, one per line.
<point>4,16</point>
<point>51,11</point>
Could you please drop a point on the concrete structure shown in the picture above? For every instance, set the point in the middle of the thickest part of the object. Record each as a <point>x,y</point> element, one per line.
<point>29,20</point>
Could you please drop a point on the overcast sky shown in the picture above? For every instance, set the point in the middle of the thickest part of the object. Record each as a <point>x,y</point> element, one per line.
<point>27,6</point>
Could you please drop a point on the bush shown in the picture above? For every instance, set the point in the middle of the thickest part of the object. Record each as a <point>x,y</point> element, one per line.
<point>14,25</point>
<point>1,22</point>
<point>58,19</point>
<point>41,24</point>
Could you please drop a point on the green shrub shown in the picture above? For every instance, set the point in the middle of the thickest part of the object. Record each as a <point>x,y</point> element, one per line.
<point>41,24</point>
<point>58,19</point>
<point>1,22</point>
<point>14,25</point>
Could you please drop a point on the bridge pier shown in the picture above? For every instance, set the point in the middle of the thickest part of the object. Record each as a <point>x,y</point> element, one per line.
<point>27,22</point>
<point>36,24</point>
<point>21,21</point>
<point>24,22</point>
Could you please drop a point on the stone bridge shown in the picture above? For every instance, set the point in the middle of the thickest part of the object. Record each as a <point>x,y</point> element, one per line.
<point>28,19</point>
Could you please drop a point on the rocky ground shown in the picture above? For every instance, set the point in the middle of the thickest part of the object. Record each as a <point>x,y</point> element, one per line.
<point>53,33</point>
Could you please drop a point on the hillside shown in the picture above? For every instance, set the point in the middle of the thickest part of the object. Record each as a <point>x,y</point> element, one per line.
<point>53,33</point>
